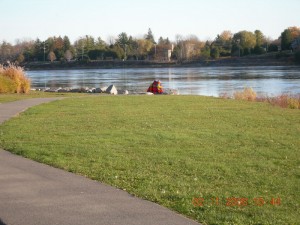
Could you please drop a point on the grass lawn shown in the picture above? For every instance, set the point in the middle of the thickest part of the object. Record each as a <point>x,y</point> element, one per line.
<point>36,94</point>
<point>217,161</point>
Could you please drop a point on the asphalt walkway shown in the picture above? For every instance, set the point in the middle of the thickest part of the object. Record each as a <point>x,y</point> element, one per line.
<point>36,194</point>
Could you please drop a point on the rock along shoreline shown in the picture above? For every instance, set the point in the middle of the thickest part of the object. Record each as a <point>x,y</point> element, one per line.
<point>112,90</point>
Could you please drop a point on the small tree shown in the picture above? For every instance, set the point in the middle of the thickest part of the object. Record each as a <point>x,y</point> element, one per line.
<point>286,39</point>
<point>123,42</point>
<point>68,55</point>
<point>51,56</point>
<point>149,36</point>
<point>214,53</point>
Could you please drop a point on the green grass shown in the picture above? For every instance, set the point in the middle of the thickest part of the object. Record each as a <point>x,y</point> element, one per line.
<point>170,149</point>
<point>36,94</point>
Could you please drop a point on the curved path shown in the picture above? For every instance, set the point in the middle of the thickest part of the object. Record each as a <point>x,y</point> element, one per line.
<point>32,193</point>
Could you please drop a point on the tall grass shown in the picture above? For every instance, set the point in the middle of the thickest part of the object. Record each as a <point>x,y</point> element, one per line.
<point>247,94</point>
<point>283,100</point>
<point>13,79</point>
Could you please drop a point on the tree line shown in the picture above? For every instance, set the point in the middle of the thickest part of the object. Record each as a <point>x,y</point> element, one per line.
<point>126,47</point>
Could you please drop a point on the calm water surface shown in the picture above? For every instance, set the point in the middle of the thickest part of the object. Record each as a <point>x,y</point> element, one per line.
<point>210,81</point>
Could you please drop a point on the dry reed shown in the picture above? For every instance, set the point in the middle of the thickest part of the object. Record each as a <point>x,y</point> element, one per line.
<point>247,94</point>
<point>13,79</point>
<point>283,100</point>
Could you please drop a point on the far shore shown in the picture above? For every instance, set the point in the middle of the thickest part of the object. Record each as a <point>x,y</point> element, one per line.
<point>264,60</point>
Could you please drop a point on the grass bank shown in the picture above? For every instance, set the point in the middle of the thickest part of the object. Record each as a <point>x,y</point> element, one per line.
<point>218,161</point>
<point>37,94</point>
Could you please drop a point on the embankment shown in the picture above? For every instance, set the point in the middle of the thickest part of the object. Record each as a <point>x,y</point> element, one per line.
<point>264,60</point>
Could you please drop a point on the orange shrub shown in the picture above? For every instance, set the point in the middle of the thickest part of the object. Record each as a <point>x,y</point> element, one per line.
<point>247,94</point>
<point>13,79</point>
<point>283,101</point>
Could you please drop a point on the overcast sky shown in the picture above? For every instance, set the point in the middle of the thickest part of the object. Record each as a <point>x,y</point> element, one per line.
<point>31,19</point>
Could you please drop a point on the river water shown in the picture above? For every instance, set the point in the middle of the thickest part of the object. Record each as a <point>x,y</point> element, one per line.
<point>209,81</point>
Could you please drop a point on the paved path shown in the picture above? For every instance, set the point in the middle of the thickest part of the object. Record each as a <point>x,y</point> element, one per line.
<point>10,109</point>
<point>35,194</point>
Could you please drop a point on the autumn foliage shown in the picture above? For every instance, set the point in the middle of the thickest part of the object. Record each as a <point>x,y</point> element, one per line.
<point>13,79</point>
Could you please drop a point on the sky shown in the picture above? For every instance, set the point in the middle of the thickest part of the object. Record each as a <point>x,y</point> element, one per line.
<point>31,19</point>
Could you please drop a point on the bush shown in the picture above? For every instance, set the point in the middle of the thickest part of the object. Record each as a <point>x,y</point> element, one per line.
<point>247,94</point>
<point>214,53</point>
<point>6,85</point>
<point>273,48</point>
<point>281,101</point>
<point>293,103</point>
<point>13,79</point>
<point>259,50</point>
<point>283,54</point>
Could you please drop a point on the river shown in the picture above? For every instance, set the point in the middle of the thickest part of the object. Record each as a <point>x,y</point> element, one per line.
<point>209,81</point>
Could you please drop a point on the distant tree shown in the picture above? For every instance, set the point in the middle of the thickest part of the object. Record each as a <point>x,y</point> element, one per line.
<point>149,36</point>
<point>287,36</point>
<point>245,41</point>
<point>189,48</point>
<point>66,43</point>
<point>58,42</point>
<point>6,52</point>
<point>226,35</point>
<point>28,52</point>
<point>89,42</point>
<point>123,42</point>
<point>286,39</point>
<point>162,41</point>
<point>20,58</point>
<point>97,54</point>
<point>273,48</point>
<point>59,47</point>
<point>51,56</point>
<point>260,43</point>
<point>273,45</point>
<point>83,45</point>
<point>100,44</point>
<point>117,51</point>
<point>38,50</point>
<point>134,46</point>
<point>214,53</point>
<point>223,43</point>
<point>68,55</point>
<point>260,38</point>
<point>205,51</point>
<point>192,48</point>
<point>143,48</point>
<point>50,44</point>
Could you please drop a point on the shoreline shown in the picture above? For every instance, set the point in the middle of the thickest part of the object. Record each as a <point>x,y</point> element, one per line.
<point>265,60</point>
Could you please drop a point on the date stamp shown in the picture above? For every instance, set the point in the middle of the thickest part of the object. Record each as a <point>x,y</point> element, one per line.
<point>236,201</point>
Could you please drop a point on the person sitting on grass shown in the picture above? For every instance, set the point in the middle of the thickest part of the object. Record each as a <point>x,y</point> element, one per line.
<point>156,87</point>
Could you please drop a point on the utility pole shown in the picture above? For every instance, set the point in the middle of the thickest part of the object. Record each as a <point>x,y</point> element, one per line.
<point>82,51</point>
<point>44,52</point>
<point>125,56</point>
<point>238,41</point>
